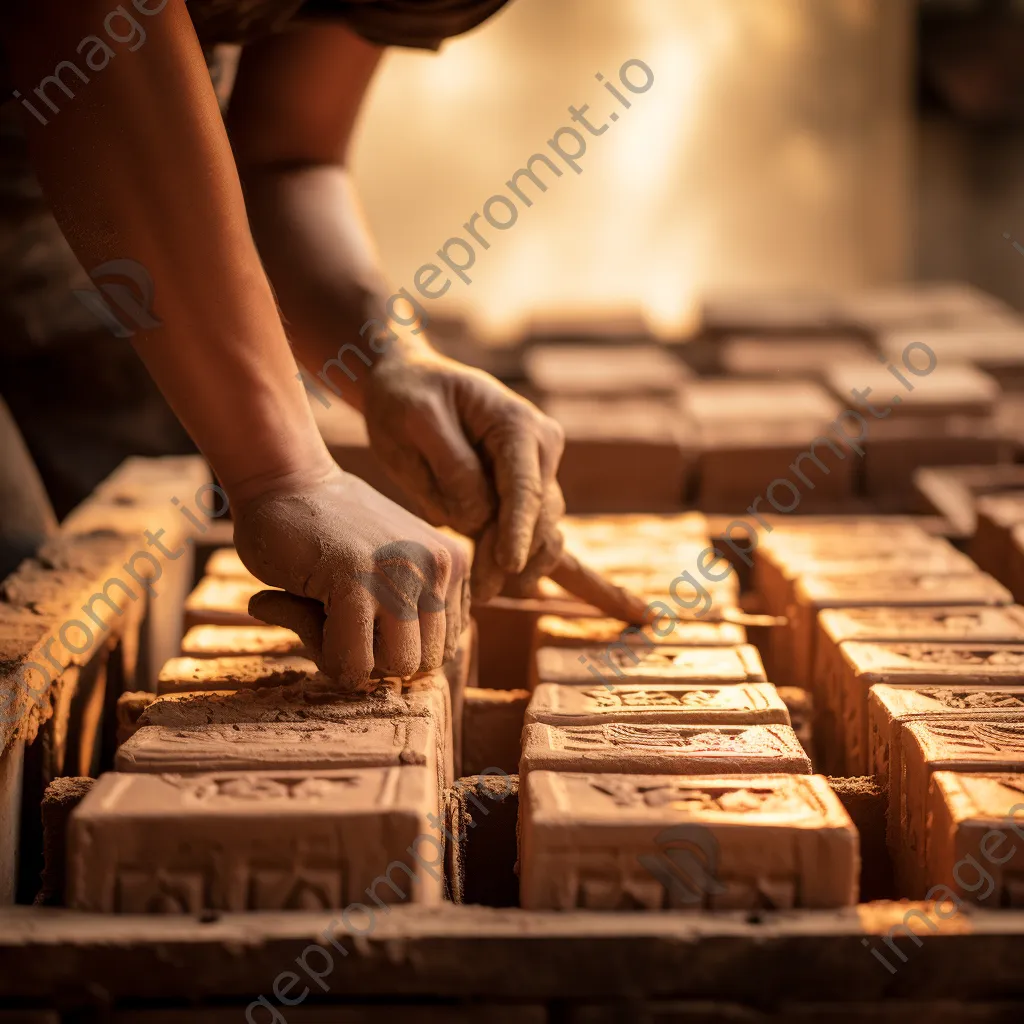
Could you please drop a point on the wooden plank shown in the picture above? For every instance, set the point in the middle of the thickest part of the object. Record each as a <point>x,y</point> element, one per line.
<point>480,952</point>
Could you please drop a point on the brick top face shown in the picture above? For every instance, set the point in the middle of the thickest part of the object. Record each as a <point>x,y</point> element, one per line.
<point>665,663</point>
<point>901,587</point>
<point>746,799</point>
<point>948,622</point>
<point>969,742</point>
<point>988,797</point>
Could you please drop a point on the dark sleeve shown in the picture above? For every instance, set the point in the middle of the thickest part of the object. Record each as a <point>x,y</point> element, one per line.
<point>422,24</point>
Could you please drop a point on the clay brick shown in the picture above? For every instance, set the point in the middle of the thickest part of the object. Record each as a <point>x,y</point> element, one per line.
<point>559,631</point>
<point>622,455</point>
<point>951,491</point>
<point>237,673</point>
<point>813,593</point>
<point>620,326</point>
<point>929,747</point>
<point>492,727</point>
<point>890,708</point>
<point>505,638</point>
<point>919,305</point>
<point>944,623</point>
<point>612,842</point>
<point>740,460</point>
<point>792,358</point>
<point>663,664</point>
<point>130,706</point>
<point>949,390</point>
<point>862,665</point>
<point>225,641</point>
<point>662,749</point>
<point>771,312</point>
<point>751,432</point>
<point>779,567</point>
<point>237,841</point>
<point>668,704</point>
<point>717,402</point>
<point>587,535</point>
<point>257,746</point>
<point>895,448</point>
<point>221,602</point>
<point>975,824</point>
<point>997,350</point>
<point>313,701</point>
<point>995,517</point>
<point>604,371</point>
<point>225,563</point>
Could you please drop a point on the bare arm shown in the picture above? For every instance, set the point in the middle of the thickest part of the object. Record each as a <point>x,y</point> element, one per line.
<point>137,166</point>
<point>475,455</point>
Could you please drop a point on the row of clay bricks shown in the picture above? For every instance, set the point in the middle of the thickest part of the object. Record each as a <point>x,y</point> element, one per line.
<point>915,659</point>
<point>660,769</point>
<point>654,438</point>
<point>248,782</point>
<point>641,429</point>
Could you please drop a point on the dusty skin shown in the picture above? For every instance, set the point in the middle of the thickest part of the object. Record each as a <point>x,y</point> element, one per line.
<point>389,592</point>
<point>139,166</point>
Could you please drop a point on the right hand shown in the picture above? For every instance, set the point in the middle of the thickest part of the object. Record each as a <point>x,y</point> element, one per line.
<point>371,589</point>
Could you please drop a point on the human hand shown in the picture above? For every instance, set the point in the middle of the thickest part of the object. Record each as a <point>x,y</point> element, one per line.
<point>382,592</point>
<point>474,456</point>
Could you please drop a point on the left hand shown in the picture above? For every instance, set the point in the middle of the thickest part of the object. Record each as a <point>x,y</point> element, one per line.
<point>475,456</point>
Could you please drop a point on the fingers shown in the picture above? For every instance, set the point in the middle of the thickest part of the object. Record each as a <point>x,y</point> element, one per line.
<point>348,654</point>
<point>594,589</point>
<point>396,647</point>
<point>517,475</point>
<point>302,615</point>
<point>458,481</point>
<point>487,577</point>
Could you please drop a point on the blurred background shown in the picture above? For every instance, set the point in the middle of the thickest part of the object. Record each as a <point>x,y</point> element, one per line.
<point>785,146</point>
<point>785,143</point>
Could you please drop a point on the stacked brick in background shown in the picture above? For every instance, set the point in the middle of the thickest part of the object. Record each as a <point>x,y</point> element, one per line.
<point>996,544</point>
<point>799,568</point>
<point>913,417</point>
<point>750,433</point>
<point>626,444</point>
<point>952,491</point>
<point>754,357</point>
<point>858,647</point>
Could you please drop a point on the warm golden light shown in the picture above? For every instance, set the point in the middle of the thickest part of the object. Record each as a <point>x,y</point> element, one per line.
<point>770,152</point>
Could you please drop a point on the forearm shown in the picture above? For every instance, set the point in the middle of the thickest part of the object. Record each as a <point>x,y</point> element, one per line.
<point>323,266</point>
<point>137,166</point>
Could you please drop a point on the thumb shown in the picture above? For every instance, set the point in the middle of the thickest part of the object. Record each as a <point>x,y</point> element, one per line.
<point>302,615</point>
